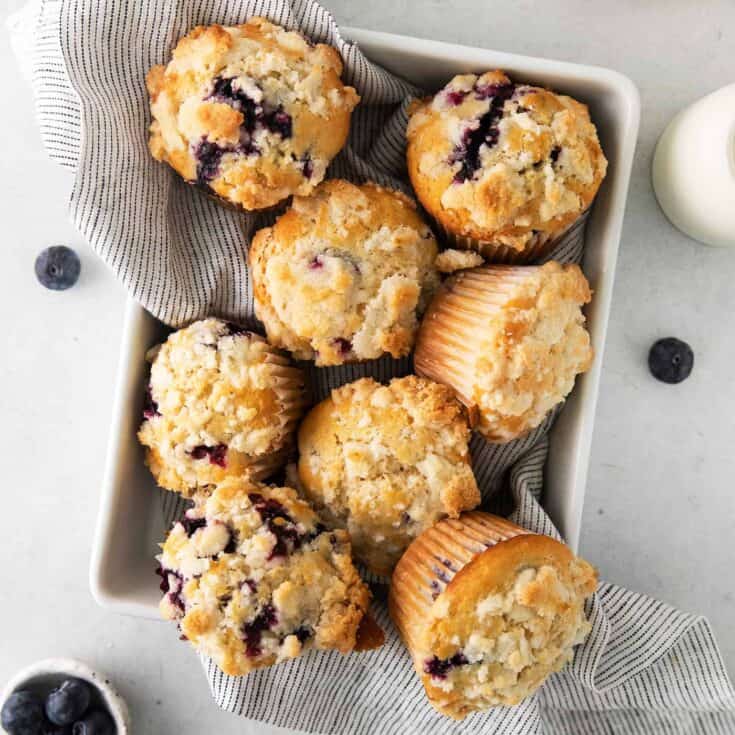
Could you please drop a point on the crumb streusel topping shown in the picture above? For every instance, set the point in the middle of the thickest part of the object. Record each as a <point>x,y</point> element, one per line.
<point>221,403</point>
<point>253,113</point>
<point>345,274</point>
<point>503,162</point>
<point>253,578</point>
<point>386,462</point>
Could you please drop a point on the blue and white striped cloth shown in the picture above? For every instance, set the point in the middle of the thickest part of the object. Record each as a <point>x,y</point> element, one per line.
<point>646,669</point>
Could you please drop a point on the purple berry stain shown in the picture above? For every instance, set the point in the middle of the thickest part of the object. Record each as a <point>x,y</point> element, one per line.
<point>439,667</point>
<point>192,525</point>
<point>217,455</point>
<point>150,407</point>
<point>455,97</point>
<point>483,132</point>
<point>307,167</point>
<point>343,345</point>
<point>172,593</point>
<point>253,631</point>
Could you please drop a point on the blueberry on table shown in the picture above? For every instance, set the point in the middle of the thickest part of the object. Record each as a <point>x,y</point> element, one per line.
<point>97,722</point>
<point>670,360</point>
<point>68,702</point>
<point>58,268</point>
<point>22,714</point>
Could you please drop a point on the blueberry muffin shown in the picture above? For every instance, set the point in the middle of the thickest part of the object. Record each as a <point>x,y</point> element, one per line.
<point>253,113</point>
<point>221,403</point>
<point>509,340</point>
<point>488,610</point>
<point>503,168</point>
<point>344,274</point>
<point>253,578</point>
<point>386,462</point>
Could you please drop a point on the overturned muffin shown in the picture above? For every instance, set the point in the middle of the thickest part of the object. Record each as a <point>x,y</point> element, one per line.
<point>386,462</point>
<point>344,274</point>
<point>503,168</point>
<point>253,578</point>
<point>509,340</point>
<point>488,610</point>
<point>221,402</point>
<point>253,113</point>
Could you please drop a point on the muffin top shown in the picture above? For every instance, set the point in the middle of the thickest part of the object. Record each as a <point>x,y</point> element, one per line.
<point>343,275</point>
<point>509,340</point>
<point>253,578</point>
<point>503,162</point>
<point>221,403</point>
<point>385,462</point>
<point>253,112</point>
<point>496,626</point>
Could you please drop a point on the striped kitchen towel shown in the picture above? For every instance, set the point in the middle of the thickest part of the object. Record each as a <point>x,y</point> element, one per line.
<point>646,668</point>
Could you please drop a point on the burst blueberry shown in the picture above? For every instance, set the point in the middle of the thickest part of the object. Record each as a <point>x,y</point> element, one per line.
<point>58,268</point>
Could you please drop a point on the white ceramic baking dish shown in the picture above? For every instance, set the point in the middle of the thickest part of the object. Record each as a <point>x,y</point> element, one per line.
<point>131,518</point>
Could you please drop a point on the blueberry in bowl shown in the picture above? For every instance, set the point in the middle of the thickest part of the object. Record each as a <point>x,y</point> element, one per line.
<point>62,697</point>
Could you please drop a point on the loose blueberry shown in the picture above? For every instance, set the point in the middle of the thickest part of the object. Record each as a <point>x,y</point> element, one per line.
<point>68,702</point>
<point>22,714</point>
<point>97,722</point>
<point>58,268</point>
<point>670,360</point>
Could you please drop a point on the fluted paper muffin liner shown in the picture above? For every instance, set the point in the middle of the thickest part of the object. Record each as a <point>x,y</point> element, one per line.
<point>541,245</point>
<point>433,560</point>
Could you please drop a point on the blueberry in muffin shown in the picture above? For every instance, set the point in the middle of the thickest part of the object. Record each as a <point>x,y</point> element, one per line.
<point>344,274</point>
<point>253,578</point>
<point>221,403</point>
<point>253,113</point>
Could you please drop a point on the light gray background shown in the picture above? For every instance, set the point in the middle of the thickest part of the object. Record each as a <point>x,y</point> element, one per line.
<point>660,508</point>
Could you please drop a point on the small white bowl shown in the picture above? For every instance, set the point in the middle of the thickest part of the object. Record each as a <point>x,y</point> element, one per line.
<point>49,673</point>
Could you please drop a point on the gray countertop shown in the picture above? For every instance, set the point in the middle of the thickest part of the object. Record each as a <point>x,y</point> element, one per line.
<point>660,509</point>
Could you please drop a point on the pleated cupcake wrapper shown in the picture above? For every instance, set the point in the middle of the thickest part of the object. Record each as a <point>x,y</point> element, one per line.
<point>224,202</point>
<point>456,322</point>
<point>289,385</point>
<point>432,561</point>
<point>536,249</point>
